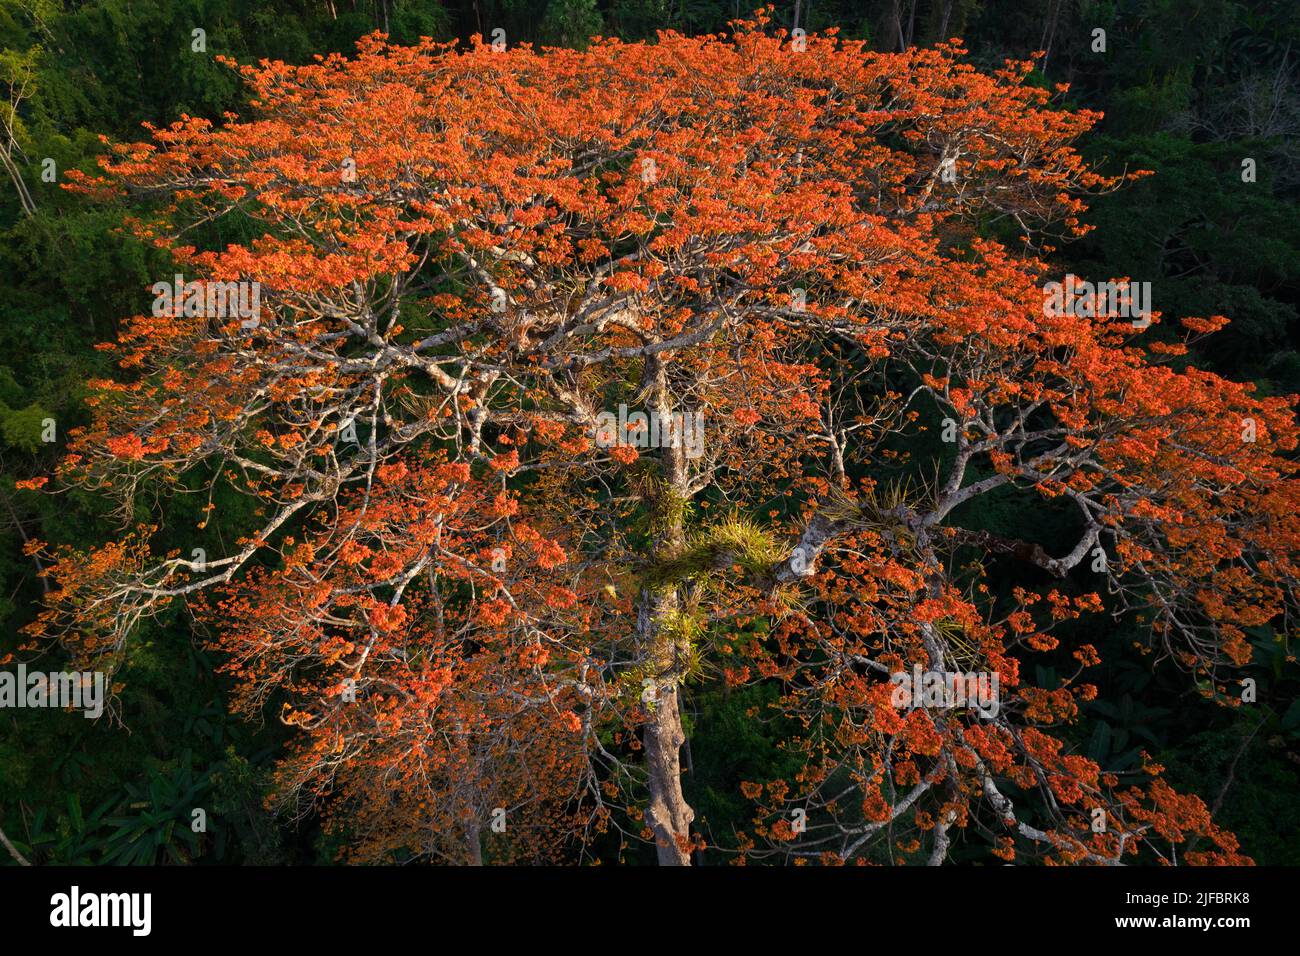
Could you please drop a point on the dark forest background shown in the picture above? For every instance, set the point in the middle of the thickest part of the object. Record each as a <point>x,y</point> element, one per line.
<point>1189,88</point>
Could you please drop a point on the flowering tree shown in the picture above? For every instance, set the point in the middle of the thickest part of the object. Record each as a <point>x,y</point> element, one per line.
<point>577,376</point>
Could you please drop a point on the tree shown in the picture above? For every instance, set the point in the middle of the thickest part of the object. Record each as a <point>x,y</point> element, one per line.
<point>460,367</point>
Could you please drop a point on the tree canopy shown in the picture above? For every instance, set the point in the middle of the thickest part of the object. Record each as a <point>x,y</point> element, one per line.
<point>500,419</point>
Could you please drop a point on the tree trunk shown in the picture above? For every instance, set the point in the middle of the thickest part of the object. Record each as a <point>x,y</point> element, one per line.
<point>668,813</point>
<point>474,843</point>
<point>943,22</point>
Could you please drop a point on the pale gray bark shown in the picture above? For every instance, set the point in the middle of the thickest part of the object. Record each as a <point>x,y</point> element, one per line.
<point>668,813</point>
<point>13,850</point>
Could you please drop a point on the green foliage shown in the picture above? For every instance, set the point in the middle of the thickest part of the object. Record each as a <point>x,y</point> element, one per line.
<point>735,540</point>
<point>735,737</point>
<point>570,22</point>
<point>22,428</point>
